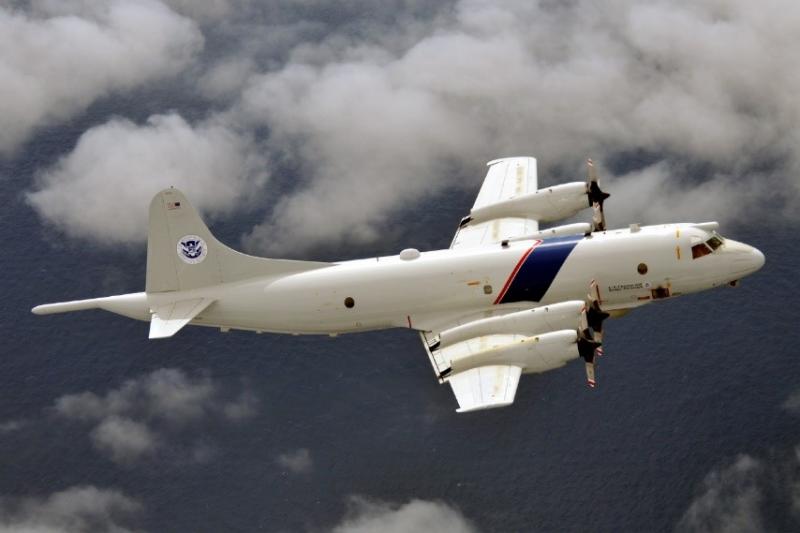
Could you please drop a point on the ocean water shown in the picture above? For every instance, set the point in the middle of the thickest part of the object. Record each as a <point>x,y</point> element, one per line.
<point>686,387</point>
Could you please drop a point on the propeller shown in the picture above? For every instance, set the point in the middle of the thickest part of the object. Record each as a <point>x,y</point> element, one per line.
<point>590,343</point>
<point>596,198</point>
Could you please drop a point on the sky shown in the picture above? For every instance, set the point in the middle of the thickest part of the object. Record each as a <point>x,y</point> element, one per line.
<point>307,128</point>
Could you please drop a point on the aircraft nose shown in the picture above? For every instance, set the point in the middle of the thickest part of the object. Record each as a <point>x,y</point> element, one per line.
<point>758,259</point>
<point>746,260</point>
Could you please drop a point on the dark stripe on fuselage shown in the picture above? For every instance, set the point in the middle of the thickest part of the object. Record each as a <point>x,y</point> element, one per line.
<point>537,272</point>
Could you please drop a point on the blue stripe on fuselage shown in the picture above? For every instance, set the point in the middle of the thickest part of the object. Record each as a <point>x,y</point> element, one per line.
<point>540,269</point>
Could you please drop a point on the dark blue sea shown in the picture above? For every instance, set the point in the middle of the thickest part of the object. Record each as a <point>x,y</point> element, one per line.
<point>686,388</point>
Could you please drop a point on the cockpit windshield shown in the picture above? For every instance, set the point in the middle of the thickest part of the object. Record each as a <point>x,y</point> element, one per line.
<point>700,249</point>
<point>705,248</point>
<point>714,242</point>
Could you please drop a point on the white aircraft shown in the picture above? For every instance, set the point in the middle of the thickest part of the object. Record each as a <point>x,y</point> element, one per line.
<point>507,298</point>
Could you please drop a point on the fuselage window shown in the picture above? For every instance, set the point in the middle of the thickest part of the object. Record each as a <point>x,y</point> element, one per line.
<point>699,250</point>
<point>642,269</point>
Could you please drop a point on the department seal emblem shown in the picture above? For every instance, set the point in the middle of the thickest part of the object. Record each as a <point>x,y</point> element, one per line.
<point>192,249</point>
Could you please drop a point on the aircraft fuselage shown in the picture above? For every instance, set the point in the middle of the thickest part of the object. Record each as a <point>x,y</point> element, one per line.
<point>631,267</point>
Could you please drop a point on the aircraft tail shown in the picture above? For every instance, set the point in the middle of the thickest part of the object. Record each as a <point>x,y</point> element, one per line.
<point>182,254</point>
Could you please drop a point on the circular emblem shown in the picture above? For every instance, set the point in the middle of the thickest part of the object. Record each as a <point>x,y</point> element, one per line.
<point>192,249</point>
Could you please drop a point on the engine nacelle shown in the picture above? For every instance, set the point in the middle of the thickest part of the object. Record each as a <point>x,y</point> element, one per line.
<point>556,231</point>
<point>536,354</point>
<point>555,317</point>
<point>545,205</point>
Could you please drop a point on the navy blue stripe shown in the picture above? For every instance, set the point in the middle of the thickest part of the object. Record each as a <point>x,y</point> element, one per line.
<point>540,269</point>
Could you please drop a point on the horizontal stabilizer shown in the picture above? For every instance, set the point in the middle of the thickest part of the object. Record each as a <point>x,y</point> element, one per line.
<point>131,305</point>
<point>485,387</point>
<point>168,319</point>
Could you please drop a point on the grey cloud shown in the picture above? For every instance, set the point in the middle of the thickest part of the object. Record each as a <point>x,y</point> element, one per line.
<point>207,10</point>
<point>125,440</point>
<point>661,192</point>
<point>140,417</point>
<point>366,516</point>
<point>11,426</point>
<point>792,403</point>
<point>245,406</point>
<point>226,78</point>
<point>81,509</point>
<point>749,495</point>
<point>297,461</point>
<point>58,57</point>
<point>730,501</point>
<point>121,165</point>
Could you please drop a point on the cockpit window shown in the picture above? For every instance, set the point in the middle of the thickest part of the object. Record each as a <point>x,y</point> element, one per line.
<point>714,242</point>
<point>699,250</point>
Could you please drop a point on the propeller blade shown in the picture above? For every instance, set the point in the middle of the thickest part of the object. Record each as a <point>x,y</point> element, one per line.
<point>587,349</point>
<point>596,198</point>
<point>595,316</point>
<point>590,379</point>
<point>598,217</point>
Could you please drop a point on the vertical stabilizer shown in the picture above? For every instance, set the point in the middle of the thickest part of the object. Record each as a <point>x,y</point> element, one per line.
<point>182,254</point>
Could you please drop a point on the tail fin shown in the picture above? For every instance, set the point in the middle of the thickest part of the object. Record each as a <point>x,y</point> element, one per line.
<point>182,253</point>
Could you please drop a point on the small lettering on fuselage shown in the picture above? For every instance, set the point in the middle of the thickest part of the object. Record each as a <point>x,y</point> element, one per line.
<point>626,287</point>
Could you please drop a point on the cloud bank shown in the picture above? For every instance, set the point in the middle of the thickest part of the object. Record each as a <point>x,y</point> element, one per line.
<point>694,101</point>
<point>81,509</point>
<point>366,516</point>
<point>56,58</point>
<point>140,418</point>
<point>680,81</point>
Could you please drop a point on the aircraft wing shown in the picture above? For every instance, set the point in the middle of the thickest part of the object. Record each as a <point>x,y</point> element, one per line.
<point>482,357</point>
<point>485,387</point>
<point>506,179</point>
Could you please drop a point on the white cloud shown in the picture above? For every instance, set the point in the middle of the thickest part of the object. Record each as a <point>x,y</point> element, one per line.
<point>138,419</point>
<point>82,509</point>
<point>367,516</point>
<point>59,57</point>
<point>378,130</point>
<point>119,166</point>
<point>377,116</point>
<point>297,461</point>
